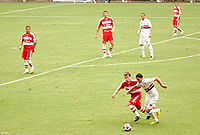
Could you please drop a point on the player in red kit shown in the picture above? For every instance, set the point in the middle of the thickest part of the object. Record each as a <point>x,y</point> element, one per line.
<point>30,42</point>
<point>176,20</point>
<point>127,84</point>
<point>107,24</point>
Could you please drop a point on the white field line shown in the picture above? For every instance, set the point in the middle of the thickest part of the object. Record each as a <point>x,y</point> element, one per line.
<point>25,16</point>
<point>192,38</point>
<point>28,9</point>
<point>72,65</point>
<point>141,62</point>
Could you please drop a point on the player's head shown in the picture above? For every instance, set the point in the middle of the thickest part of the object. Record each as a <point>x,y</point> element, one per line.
<point>28,29</point>
<point>176,3</point>
<point>127,76</point>
<point>105,13</point>
<point>143,16</point>
<point>139,77</point>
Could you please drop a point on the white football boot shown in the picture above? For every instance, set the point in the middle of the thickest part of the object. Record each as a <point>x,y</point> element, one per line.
<point>32,70</point>
<point>182,33</point>
<point>109,54</point>
<point>104,56</point>
<point>26,71</point>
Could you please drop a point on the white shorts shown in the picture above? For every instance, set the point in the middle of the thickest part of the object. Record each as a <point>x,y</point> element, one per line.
<point>145,40</point>
<point>150,100</point>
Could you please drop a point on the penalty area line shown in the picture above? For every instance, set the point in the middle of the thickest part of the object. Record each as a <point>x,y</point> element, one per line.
<point>28,9</point>
<point>142,62</point>
<point>79,63</point>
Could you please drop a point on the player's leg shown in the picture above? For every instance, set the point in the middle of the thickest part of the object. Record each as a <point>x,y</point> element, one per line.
<point>182,32</point>
<point>140,107</point>
<point>148,42</point>
<point>24,56</point>
<point>175,31</point>
<point>147,101</point>
<point>151,108</point>
<point>110,48</point>
<point>131,105</point>
<point>175,27</point>
<point>133,109</point>
<point>105,39</point>
<point>29,55</point>
<point>154,110</point>
<point>26,66</point>
<point>111,39</point>
<point>104,50</point>
<point>141,43</point>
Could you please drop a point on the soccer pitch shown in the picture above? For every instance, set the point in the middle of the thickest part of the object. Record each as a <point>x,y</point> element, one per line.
<point>70,91</point>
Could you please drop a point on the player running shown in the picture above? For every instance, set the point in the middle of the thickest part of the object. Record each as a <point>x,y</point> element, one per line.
<point>107,24</point>
<point>30,42</point>
<point>127,84</point>
<point>176,20</point>
<point>151,94</point>
<point>145,35</point>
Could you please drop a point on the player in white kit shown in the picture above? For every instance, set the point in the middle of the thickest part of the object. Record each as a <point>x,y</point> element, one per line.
<point>145,35</point>
<point>151,94</point>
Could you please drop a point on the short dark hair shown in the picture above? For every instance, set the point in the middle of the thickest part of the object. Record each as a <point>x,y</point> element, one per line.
<point>127,73</point>
<point>176,1</point>
<point>143,14</point>
<point>28,26</point>
<point>139,75</point>
<point>105,11</point>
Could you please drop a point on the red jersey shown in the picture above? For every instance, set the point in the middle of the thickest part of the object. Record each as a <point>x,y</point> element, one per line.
<point>28,39</point>
<point>177,11</point>
<point>106,23</point>
<point>125,85</point>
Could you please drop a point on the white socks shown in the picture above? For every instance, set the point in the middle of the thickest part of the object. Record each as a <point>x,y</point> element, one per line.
<point>142,50</point>
<point>26,65</point>
<point>31,64</point>
<point>134,110</point>
<point>104,49</point>
<point>179,29</point>
<point>175,30</point>
<point>151,49</point>
<point>153,116</point>
<point>110,48</point>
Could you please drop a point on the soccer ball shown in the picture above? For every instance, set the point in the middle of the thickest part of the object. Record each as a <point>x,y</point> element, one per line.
<point>127,127</point>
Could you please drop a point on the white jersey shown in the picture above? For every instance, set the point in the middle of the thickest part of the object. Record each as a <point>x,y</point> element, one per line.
<point>145,26</point>
<point>148,86</point>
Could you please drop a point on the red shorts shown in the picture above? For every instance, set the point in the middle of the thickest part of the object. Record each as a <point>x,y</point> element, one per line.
<point>27,52</point>
<point>136,100</point>
<point>176,21</point>
<point>107,36</point>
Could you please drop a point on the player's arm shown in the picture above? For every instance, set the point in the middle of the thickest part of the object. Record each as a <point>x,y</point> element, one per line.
<point>113,26</point>
<point>150,32</point>
<point>21,43</point>
<point>35,42</point>
<point>150,25</point>
<point>139,31</point>
<point>159,81</point>
<point>116,91</point>
<point>132,89</point>
<point>98,28</point>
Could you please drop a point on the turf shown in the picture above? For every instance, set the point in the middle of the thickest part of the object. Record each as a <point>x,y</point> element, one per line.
<point>77,100</point>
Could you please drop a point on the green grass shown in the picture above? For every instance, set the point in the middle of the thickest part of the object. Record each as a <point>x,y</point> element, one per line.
<point>75,101</point>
